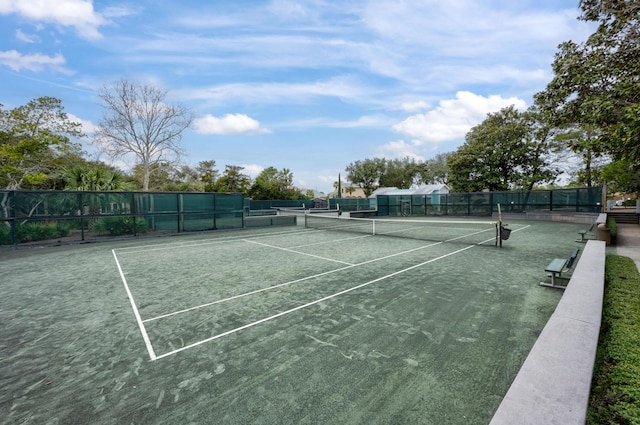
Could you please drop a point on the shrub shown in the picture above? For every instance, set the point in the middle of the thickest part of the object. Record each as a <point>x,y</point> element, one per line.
<point>615,392</point>
<point>117,226</point>
<point>37,231</point>
<point>5,235</point>
<point>613,228</point>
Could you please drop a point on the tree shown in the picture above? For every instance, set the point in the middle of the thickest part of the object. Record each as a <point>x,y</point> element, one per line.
<point>400,173</point>
<point>501,153</point>
<point>435,170</point>
<point>622,176</point>
<point>95,176</point>
<point>207,175</point>
<point>596,83</point>
<point>233,180</point>
<point>138,121</point>
<point>575,148</point>
<point>274,184</point>
<point>366,174</point>
<point>33,138</point>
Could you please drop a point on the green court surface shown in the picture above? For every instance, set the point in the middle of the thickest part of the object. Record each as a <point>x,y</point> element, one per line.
<point>272,326</point>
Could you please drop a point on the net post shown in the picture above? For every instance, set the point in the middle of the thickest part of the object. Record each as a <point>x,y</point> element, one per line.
<point>499,227</point>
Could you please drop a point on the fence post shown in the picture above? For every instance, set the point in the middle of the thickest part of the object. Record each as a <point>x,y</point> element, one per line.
<point>12,217</point>
<point>81,208</point>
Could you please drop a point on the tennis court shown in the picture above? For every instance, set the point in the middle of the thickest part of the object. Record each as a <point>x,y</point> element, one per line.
<point>278,325</point>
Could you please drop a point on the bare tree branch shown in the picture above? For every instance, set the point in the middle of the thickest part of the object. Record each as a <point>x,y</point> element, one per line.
<point>137,121</point>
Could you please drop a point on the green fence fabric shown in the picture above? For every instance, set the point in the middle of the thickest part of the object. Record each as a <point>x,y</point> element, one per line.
<point>45,217</point>
<point>588,200</point>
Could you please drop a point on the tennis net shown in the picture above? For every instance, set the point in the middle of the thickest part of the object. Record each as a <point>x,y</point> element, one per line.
<point>304,212</point>
<point>467,232</point>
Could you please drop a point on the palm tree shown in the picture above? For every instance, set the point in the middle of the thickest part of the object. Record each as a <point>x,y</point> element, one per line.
<point>87,177</point>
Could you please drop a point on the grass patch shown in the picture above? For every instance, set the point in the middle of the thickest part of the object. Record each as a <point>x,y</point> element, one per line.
<point>615,392</point>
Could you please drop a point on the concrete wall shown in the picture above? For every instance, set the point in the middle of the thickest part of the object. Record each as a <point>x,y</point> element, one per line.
<point>554,383</point>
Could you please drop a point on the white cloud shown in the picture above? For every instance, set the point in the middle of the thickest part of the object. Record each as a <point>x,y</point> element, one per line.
<point>26,38</point>
<point>87,126</point>
<point>365,121</point>
<point>229,124</point>
<point>253,170</point>
<point>453,118</point>
<point>36,62</point>
<point>78,14</point>
<point>400,149</point>
<point>340,87</point>
<point>414,106</point>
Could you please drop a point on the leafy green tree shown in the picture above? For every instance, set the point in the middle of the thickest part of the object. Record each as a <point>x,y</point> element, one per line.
<point>575,150</point>
<point>272,183</point>
<point>207,175</point>
<point>501,153</point>
<point>435,170</point>
<point>33,139</point>
<point>233,180</point>
<point>622,176</point>
<point>366,173</point>
<point>400,173</point>
<point>596,83</point>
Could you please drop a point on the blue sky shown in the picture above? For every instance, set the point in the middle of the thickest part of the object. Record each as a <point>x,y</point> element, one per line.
<point>309,85</point>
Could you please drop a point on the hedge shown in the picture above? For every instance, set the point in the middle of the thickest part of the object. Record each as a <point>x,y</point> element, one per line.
<point>615,392</point>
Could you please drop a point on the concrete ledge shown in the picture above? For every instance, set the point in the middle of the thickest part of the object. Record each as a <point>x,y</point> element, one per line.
<point>553,384</point>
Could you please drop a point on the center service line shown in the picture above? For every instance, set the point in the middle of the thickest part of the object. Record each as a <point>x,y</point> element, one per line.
<point>297,252</point>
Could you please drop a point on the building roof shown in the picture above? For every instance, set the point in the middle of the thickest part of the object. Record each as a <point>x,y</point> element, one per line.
<point>424,189</point>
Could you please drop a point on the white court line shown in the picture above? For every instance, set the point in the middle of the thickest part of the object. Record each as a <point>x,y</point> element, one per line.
<point>136,313</point>
<point>331,241</point>
<point>197,307</point>
<point>186,310</point>
<point>275,316</point>
<point>297,252</point>
<point>185,244</point>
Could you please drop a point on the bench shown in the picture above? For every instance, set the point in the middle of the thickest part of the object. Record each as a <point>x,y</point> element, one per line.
<point>558,266</point>
<point>584,232</point>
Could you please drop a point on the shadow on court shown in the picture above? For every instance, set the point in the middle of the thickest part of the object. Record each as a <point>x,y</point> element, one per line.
<point>286,326</point>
